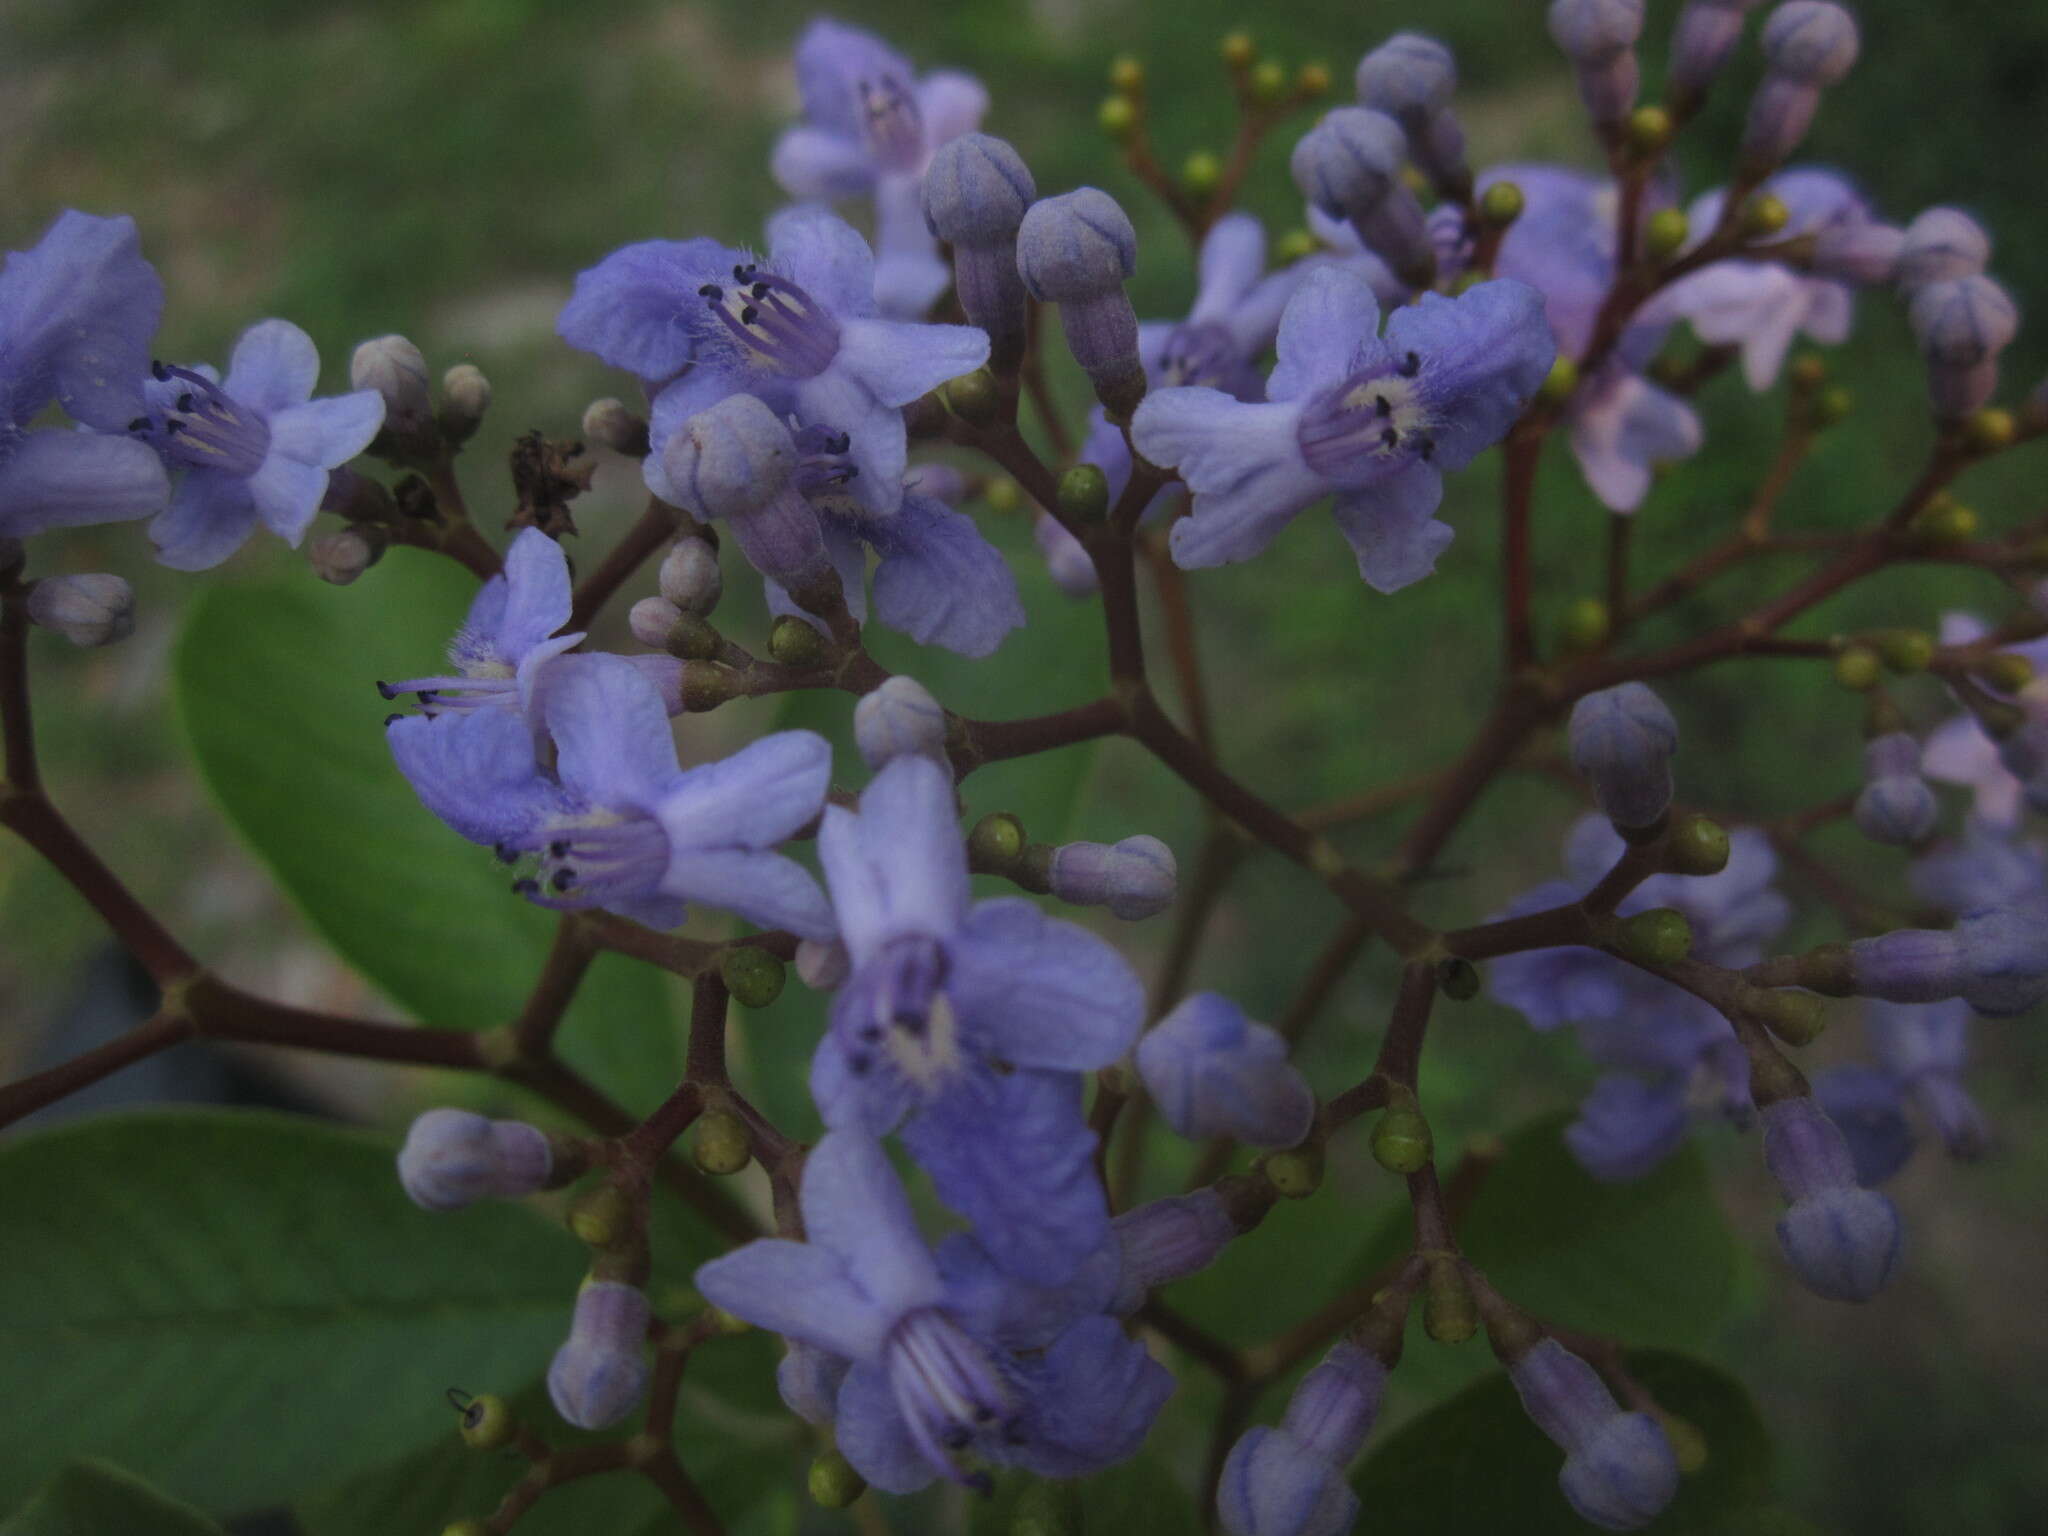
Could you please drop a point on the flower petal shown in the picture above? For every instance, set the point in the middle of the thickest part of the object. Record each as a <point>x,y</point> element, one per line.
<point>839,400</point>
<point>900,865</point>
<point>951,103</point>
<point>78,311</point>
<point>898,361</point>
<point>61,479</point>
<point>909,276</point>
<point>818,164</point>
<point>1043,993</point>
<point>537,596</point>
<point>211,515</point>
<point>1625,428</point>
<point>760,796</point>
<point>1243,462</point>
<point>611,733</point>
<point>872,1436</point>
<point>1483,354</point>
<point>1392,528</point>
<point>1233,256</point>
<point>274,365</point>
<point>798,1290</point>
<point>854,1206</point>
<point>327,433</point>
<point>287,495</point>
<point>638,309</point>
<point>817,250</point>
<point>941,582</point>
<point>475,771</point>
<point>1332,316</point>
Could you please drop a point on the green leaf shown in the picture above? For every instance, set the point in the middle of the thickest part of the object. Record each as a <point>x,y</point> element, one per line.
<point>244,1306</point>
<point>275,689</point>
<point>1477,1464</point>
<point>96,1498</point>
<point>1141,1494</point>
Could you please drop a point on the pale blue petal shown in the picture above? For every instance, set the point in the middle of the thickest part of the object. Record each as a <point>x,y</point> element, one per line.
<point>1233,256</point>
<point>820,165</point>
<point>211,515</point>
<point>1628,1125</point>
<point>854,1206</point>
<point>1483,356</point>
<point>63,479</point>
<point>1095,1403</point>
<point>872,1436</point>
<point>275,365</point>
<point>798,1290</point>
<point>77,313</point>
<point>765,888</point>
<point>898,361</point>
<point>1243,463</point>
<point>909,275</point>
<point>1391,526</point>
<point>327,433</point>
<point>873,1102</point>
<point>639,308</point>
<point>1622,430</point>
<point>941,582</point>
<point>951,103</point>
<point>760,796</point>
<point>841,401</point>
<point>611,733</point>
<point>1043,993</point>
<point>537,596</point>
<point>819,251</point>
<point>287,495</point>
<point>475,770</point>
<point>832,59</point>
<point>1331,319</point>
<point>900,865</point>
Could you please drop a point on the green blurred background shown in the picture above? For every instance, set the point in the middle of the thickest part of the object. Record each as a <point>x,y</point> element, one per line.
<point>443,167</point>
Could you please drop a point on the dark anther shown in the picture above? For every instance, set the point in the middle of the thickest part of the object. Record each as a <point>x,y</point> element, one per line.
<point>526,887</point>
<point>956,1437</point>
<point>385,690</point>
<point>848,473</point>
<point>158,371</point>
<point>1425,446</point>
<point>871,1033</point>
<point>391,720</point>
<point>743,273</point>
<point>559,848</point>
<point>859,1063</point>
<point>1390,438</point>
<point>139,424</point>
<point>712,292</point>
<point>506,853</point>
<point>1382,406</point>
<point>459,1400</point>
<point>172,424</point>
<point>759,290</point>
<point>1411,365</point>
<point>425,696</point>
<point>749,315</point>
<point>841,443</point>
<point>983,1414</point>
<point>185,401</point>
<point>562,879</point>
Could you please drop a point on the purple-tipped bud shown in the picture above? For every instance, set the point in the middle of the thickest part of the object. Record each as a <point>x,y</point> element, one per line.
<point>1213,1072</point>
<point>1622,740</point>
<point>89,610</point>
<point>1408,75</point>
<point>1896,805</point>
<point>651,619</point>
<point>340,558</point>
<point>1599,37</point>
<point>1066,560</point>
<point>1349,166</point>
<point>809,1379</point>
<point>899,719</point>
<point>600,1371</point>
<point>609,422</point>
<point>1962,324</point>
<point>690,577</point>
<point>1859,251</point>
<point>1333,1408</point>
<point>1166,1240</point>
<point>737,461</point>
<point>1705,35</point>
<point>1940,244</point>
<point>1812,41</point>
<point>452,1158</point>
<point>393,366</point>
<point>1134,878</point>
<point>1865,1106</point>
<point>1289,1480</point>
<point>822,964</point>
<point>1075,251</point>
<point>1841,1238</point>
<point>1619,1469</point>
<point>975,195</point>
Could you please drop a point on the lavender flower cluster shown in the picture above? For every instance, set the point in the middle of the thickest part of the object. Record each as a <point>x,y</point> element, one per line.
<point>1433,312</point>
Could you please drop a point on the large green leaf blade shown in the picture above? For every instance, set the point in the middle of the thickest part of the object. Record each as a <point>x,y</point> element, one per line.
<point>96,1498</point>
<point>244,1306</point>
<point>275,690</point>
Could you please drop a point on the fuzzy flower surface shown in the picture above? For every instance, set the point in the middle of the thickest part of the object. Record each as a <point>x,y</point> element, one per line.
<point>254,447</point>
<point>967,1023</point>
<point>1376,419</point>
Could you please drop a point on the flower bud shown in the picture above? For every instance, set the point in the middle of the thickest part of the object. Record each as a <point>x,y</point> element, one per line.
<point>465,396</point>
<point>720,1143</point>
<point>487,1422</point>
<point>1865,1106</point>
<point>1401,1140</point>
<point>1349,166</point>
<point>1962,324</point>
<point>1660,936</point>
<point>1698,845</point>
<point>339,558</point>
<point>1166,1240</point>
<point>1925,1050</point>
<point>651,619</point>
<point>1622,740</point>
<point>1449,1315</point>
<point>690,577</point>
<point>1995,959</point>
<point>1075,251</point>
<point>1215,1073</point>
<point>1619,1469</point>
<point>600,1372</point>
<point>452,1157</point>
<point>752,975</point>
<point>1134,878</point>
<point>1586,626</point>
<point>897,719</point>
<point>832,1482</point>
<point>608,422</point>
<point>1813,41</point>
<point>736,461</point>
<point>1599,38</point>
<point>1066,559</point>
<point>1289,1480</point>
<point>1841,1238</point>
<point>1082,495</point>
<point>394,368</point>
<point>1896,805</point>
<point>1410,78</point>
<point>975,194</point>
<point>1706,33</point>
<point>996,842</point>
<point>809,1379</point>
<point>822,964</point>
<point>1665,233</point>
<point>89,610</point>
<point>1296,1173</point>
<point>1941,244</point>
<point>1859,251</point>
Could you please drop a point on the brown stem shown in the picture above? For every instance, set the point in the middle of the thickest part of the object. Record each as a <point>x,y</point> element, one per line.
<point>1192,1337</point>
<point>1519,456</point>
<point>568,961</point>
<point>23,1098</point>
<point>657,524</point>
<point>687,1499</point>
<point>39,824</point>
<point>1180,640</point>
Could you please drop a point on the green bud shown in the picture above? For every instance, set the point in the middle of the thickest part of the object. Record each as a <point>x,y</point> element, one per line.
<point>728,1323</point>
<point>2006,672</point>
<point>1201,172</point>
<point>1401,1141</point>
<point>1559,383</point>
<point>1584,626</point>
<point>1117,117</point>
<point>1649,130</point>
<point>1003,494</point>
<point>1697,846</point>
<point>1797,1018</point>
<point>1312,79</point>
<point>601,1216</point>
<point>1501,203</point>
<point>973,397</point>
<point>1765,215</point>
<point>1664,234</point>
<point>1083,494</point>
<point>1660,936</point>
<point>1458,977</point>
<point>1269,81</point>
<point>1237,50</point>
<point>1047,1509</point>
<point>752,975</point>
<point>1687,1443</point>
<point>487,1423</point>
<point>833,1483</point>
<point>794,643</point>
<point>465,1528</point>
<point>691,638</point>
<point>1294,245</point>
<point>1832,405</point>
<point>997,840</point>
<point>1808,371</point>
<point>1126,73</point>
<point>1905,651</point>
<point>707,685</point>
<point>721,1143</point>
<point>1943,524</point>
<point>1857,667</point>
<point>1296,1173</point>
<point>1990,429</point>
<point>1448,1313</point>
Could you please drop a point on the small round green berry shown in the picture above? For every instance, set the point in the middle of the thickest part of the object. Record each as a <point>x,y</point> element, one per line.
<point>833,1483</point>
<point>752,975</point>
<point>996,841</point>
<point>794,643</point>
<point>1401,1141</point>
<point>1660,936</point>
<point>1698,846</point>
<point>1083,495</point>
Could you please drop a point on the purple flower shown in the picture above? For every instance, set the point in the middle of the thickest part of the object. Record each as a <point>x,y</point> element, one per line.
<point>618,824</point>
<point>77,312</point>
<point>1619,1470</point>
<point>1988,867</point>
<point>800,330</point>
<point>1895,805</point>
<point>1622,740</point>
<point>1924,1050</point>
<point>871,127</point>
<point>254,447</point>
<point>1865,1105</point>
<point>453,1157</point>
<point>1995,959</point>
<point>925,1384</point>
<point>970,1021</point>
<point>1841,1238</point>
<point>600,1371</point>
<point>1289,1480</point>
<point>1213,1072</point>
<point>1376,419</point>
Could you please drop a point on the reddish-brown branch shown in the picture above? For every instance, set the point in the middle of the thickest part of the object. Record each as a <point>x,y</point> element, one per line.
<point>657,524</point>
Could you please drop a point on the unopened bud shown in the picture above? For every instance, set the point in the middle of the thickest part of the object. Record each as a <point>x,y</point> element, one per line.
<point>721,1143</point>
<point>1660,936</point>
<point>1458,977</point>
<point>601,1217</point>
<point>608,422</point>
<point>1664,235</point>
<point>1599,37</point>
<point>1622,740</point>
<point>1237,50</point>
<point>452,1157</point>
<point>1401,1140</point>
<point>1349,166</point>
<point>753,975</point>
<point>90,610</point>
<point>1764,215</point>
<point>1939,245</point>
<point>1990,428</point>
<point>598,1375</point>
<point>1117,117</point>
<point>394,368</point>
<point>973,397</point>
<point>1134,878</point>
<point>1296,1173</point>
<point>1076,251</point>
<point>339,558</point>
<point>1858,667</point>
<point>1962,324</point>
<point>1797,1018</point>
<point>1448,1313</point>
<point>822,964</point>
<point>1831,405</point>
<point>1649,130</point>
<point>1619,1471</point>
<point>1269,82</point>
<point>997,841</point>
<point>794,643</point>
<point>1501,203</point>
<point>1697,846</point>
<point>465,396</point>
<point>1201,172</point>
<point>1905,651</point>
<point>651,619</point>
<point>487,1423</point>
<point>1126,73</point>
<point>1213,1072</point>
<point>1083,494</point>
<point>1558,384</point>
<point>1312,80</point>
<point>832,1482</point>
<point>1293,246</point>
<point>899,718</point>
<point>2008,671</point>
<point>690,577</point>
